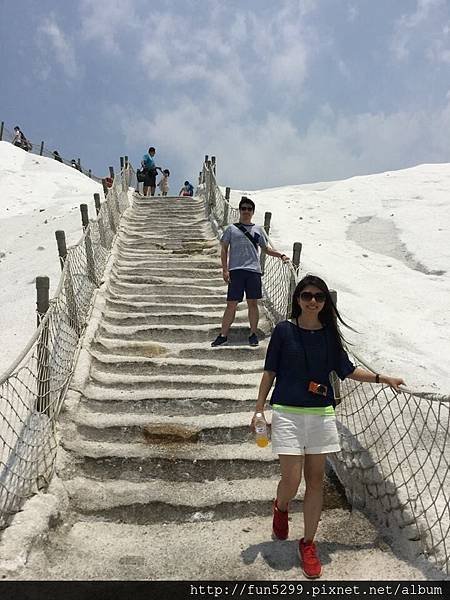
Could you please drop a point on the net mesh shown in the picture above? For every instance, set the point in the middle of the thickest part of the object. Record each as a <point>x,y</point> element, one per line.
<point>33,389</point>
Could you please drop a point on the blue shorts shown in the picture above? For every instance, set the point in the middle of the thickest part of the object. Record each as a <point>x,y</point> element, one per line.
<point>242,280</point>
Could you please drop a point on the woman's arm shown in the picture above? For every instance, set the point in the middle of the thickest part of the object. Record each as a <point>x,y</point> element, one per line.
<point>360,374</point>
<point>264,389</point>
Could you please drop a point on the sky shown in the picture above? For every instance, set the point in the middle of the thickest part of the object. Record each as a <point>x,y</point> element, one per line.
<point>281,93</point>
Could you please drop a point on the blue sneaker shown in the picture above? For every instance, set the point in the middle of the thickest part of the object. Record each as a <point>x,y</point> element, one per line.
<point>253,340</point>
<point>219,341</point>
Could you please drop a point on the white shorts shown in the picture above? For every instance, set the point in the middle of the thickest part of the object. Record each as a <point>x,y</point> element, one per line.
<point>298,434</point>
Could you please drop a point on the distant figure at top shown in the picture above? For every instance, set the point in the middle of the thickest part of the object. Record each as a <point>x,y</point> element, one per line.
<point>20,140</point>
<point>150,170</point>
<point>163,183</point>
<point>73,163</point>
<point>56,156</point>
<point>187,189</point>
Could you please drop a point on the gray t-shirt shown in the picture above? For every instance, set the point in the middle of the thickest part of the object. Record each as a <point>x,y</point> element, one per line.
<point>242,254</point>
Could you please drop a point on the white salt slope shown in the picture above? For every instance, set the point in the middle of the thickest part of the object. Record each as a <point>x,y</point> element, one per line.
<point>37,196</point>
<point>383,242</point>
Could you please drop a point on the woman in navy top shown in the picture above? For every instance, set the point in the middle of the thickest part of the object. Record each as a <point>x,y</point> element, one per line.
<point>301,355</point>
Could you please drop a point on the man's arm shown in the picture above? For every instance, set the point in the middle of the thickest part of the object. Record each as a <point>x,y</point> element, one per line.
<point>224,260</point>
<point>273,252</point>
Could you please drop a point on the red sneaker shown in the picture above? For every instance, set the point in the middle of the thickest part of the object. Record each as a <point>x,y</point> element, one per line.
<point>280,525</point>
<point>309,559</point>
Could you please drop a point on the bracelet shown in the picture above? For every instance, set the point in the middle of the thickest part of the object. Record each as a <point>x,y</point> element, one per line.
<point>377,378</point>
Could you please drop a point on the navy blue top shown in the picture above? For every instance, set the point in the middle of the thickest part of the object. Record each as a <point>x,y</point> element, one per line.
<point>298,356</point>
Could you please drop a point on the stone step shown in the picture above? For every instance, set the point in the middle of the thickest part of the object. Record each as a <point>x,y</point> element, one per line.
<point>170,406</point>
<point>240,352</point>
<point>180,290</point>
<point>160,501</point>
<point>123,364</point>
<point>157,429</point>
<point>172,333</point>
<point>127,295</point>
<point>121,306</point>
<point>171,462</point>
<point>166,279</point>
<point>185,382</point>
<point>96,391</point>
<point>185,318</point>
<point>173,261</point>
<point>170,271</point>
<point>238,550</point>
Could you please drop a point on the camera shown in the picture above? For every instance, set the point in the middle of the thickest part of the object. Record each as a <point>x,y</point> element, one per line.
<point>317,388</point>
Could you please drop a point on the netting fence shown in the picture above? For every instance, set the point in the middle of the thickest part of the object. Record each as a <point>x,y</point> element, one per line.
<point>39,148</point>
<point>32,390</point>
<point>395,450</point>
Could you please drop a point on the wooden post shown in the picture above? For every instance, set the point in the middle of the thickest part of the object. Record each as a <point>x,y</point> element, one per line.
<point>112,224</point>
<point>267,218</point>
<point>334,377</point>
<point>111,172</point>
<point>200,178</point>
<point>43,354</point>
<point>206,158</point>
<point>213,163</point>
<point>296,253</point>
<point>262,258</point>
<point>126,161</point>
<point>105,187</point>
<point>68,284</point>
<point>79,164</point>
<point>41,151</point>
<point>84,215</point>
<point>90,263</point>
<point>211,197</point>
<point>90,174</point>
<point>226,206</point>
<point>2,126</point>
<point>122,162</point>
<point>62,248</point>
<point>97,202</point>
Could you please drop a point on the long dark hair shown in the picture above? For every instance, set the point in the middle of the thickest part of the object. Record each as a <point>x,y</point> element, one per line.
<point>329,315</point>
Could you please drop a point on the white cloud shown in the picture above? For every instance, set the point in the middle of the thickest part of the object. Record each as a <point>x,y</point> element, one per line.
<point>405,32</point>
<point>105,21</point>
<point>56,45</point>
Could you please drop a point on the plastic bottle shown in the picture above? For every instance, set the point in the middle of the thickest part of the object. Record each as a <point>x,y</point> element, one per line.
<point>262,438</point>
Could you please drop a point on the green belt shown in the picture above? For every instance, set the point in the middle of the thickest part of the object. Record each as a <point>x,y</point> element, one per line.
<point>323,411</point>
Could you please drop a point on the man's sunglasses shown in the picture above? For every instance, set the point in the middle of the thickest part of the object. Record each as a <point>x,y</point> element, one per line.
<point>249,208</point>
<point>318,296</point>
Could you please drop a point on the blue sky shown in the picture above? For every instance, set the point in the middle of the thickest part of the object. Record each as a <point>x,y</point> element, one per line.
<point>288,92</point>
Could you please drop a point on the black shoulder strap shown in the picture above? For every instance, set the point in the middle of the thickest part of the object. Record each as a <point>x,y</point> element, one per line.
<point>247,234</point>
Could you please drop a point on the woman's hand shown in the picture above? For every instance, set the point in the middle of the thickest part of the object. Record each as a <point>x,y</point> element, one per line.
<point>252,422</point>
<point>394,382</point>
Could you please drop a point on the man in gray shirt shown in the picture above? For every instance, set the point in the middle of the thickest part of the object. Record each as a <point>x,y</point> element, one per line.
<point>241,269</point>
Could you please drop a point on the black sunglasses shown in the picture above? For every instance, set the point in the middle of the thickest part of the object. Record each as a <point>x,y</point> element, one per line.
<point>249,208</point>
<point>318,296</point>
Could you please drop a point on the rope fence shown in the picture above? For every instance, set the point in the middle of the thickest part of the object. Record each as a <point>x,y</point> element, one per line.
<point>40,149</point>
<point>32,390</point>
<point>395,451</point>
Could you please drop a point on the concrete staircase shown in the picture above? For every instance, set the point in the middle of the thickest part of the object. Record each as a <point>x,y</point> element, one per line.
<point>164,478</point>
